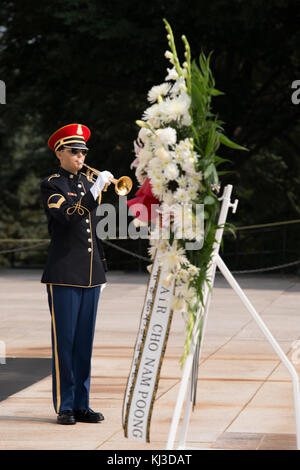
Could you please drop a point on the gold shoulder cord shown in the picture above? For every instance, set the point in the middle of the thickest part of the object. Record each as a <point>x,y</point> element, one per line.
<point>56,175</point>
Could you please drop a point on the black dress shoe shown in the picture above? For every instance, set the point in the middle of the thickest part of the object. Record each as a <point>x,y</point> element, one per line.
<point>66,417</point>
<point>88,416</point>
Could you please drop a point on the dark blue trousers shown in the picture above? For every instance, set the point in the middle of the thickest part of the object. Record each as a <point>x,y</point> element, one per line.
<point>73,317</point>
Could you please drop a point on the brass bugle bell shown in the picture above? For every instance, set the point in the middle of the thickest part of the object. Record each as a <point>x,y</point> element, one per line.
<point>123,185</point>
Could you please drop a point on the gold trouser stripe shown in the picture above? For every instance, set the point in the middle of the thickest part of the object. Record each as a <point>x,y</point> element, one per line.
<point>55,353</point>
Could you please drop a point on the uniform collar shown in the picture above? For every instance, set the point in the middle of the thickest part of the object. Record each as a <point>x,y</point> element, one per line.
<point>68,174</point>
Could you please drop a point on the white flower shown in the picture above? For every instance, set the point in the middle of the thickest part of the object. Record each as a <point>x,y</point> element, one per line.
<point>195,178</point>
<point>187,293</point>
<point>171,171</point>
<point>137,147</point>
<point>168,198</point>
<point>166,212</point>
<point>144,134</point>
<point>166,136</point>
<point>152,251</point>
<point>163,155</point>
<point>159,237</point>
<point>158,91</point>
<point>135,163</point>
<point>186,119</point>
<point>144,156</point>
<point>178,157</point>
<point>190,229</point>
<point>156,176</point>
<point>167,279</point>
<point>185,145</point>
<point>153,112</point>
<point>158,187</point>
<point>157,244</point>
<point>193,270</point>
<point>174,109</point>
<point>155,165</point>
<point>183,276</point>
<point>140,175</point>
<point>192,193</point>
<point>172,74</point>
<point>188,233</point>
<point>182,181</point>
<point>154,122</point>
<point>215,187</point>
<point>177,303</point>
<point>169,55</point>
<point>181,196</point>
<point>172,258</point>
<point>178,87</point>
<point>183,221</point>
<point>188,164</point>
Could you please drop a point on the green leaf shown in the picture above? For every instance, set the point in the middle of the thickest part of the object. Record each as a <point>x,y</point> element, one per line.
<point>220,173</point>
<point>219,160</point>
<point>209,170</point>
<point>215,175</point>
<point>215,92</point>
<point>208,200</point>
<point>229,143</point>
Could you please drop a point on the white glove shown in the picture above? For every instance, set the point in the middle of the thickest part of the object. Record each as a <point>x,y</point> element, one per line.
<point>101,181</point>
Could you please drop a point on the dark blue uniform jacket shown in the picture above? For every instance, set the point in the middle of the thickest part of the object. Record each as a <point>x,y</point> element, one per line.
<point>76,256</point>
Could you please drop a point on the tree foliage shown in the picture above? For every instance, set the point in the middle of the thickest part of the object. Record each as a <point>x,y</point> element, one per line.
<point>93,61</point>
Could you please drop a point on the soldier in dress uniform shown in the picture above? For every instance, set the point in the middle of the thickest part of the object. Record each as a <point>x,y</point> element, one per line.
<point>74,272</point>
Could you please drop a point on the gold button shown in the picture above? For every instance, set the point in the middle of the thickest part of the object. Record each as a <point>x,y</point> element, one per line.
<point>71,176</point>
<point>89,249</point>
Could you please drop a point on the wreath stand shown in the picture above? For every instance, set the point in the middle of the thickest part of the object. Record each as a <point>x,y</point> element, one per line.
<point>190,371</point>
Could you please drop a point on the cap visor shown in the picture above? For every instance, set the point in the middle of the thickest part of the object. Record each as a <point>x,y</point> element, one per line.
<point>76,146</point>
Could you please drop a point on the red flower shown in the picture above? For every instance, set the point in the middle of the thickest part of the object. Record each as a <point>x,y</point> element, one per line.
<point>141,205</point>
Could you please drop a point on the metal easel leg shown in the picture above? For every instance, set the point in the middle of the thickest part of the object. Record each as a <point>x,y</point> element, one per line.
<point>191,391</point>
<point>186,380</point>
<point>295,380</point>
<point>180,399</point>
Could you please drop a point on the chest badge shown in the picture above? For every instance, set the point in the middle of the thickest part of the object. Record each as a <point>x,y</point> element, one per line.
<point>72,194</point>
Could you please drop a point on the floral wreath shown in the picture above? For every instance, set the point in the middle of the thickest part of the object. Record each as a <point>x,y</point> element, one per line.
<point>176,166</point>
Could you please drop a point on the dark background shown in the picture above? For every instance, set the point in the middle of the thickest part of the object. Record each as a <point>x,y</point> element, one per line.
<point>93,62</point>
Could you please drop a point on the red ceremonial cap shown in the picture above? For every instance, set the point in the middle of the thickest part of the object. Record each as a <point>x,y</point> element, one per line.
<point>72,135</point>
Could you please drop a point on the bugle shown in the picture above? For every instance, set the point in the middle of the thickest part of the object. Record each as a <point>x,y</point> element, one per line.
<point>123,185</point>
